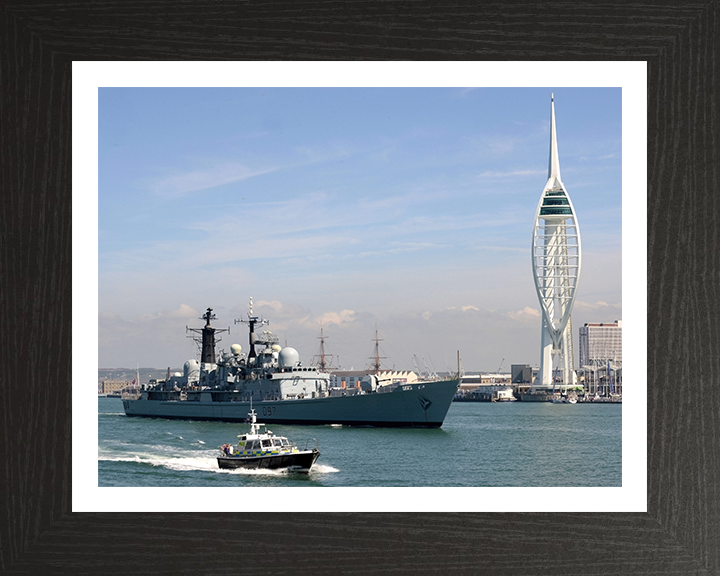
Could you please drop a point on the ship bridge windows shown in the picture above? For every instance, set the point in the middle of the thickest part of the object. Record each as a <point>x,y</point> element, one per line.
<point>266,443</point>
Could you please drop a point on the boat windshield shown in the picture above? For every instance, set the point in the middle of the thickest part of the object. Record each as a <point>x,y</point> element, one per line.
<point>285,442</point>
<point>277,442</point>
<point>266,443</point>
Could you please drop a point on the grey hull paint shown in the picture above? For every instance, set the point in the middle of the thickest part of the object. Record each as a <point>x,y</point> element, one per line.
<point>422,405</point>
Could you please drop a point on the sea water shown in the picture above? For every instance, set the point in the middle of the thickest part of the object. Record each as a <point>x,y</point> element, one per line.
<point>524,444</point>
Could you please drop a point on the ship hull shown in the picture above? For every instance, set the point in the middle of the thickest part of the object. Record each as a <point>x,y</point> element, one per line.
<point>417,405</point>
<point>296,462</point>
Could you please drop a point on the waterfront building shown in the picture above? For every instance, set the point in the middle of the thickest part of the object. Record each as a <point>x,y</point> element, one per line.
<point>556,256</point>
<point>110,386</point>
<point>494,377</point>
<point>470,382</point>
<point>605,379</point>
<point>521,373</point>
<point>600,350</point>
<point>487,393</point>
<point>600,342</point>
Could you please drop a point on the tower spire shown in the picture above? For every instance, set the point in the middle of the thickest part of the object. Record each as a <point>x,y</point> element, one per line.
<point>554,163</point>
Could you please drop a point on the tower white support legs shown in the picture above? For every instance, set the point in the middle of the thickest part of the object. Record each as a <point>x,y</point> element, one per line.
<point>544,378</point>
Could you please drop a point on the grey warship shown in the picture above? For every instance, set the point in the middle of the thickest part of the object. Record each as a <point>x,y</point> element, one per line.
<point>224,387</point>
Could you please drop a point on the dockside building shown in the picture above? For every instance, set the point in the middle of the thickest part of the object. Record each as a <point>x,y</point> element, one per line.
<point>600,342</point>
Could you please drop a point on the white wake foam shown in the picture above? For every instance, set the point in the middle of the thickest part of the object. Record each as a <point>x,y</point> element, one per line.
<point>323,469</point>
<point>199,460</point>
<point>183,463</point>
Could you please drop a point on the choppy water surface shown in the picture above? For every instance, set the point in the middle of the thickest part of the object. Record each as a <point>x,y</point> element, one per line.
<point>480,444</point>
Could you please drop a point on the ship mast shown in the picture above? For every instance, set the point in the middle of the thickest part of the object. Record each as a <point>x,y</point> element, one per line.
<point>323,364</point>
<point>207,349</point>
<point>252,321</point>
<point>377,352</point>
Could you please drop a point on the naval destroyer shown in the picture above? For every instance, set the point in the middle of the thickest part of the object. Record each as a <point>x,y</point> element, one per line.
<point>274,381</point>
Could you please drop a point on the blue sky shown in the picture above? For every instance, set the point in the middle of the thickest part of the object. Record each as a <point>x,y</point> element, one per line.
<point>408,208</point>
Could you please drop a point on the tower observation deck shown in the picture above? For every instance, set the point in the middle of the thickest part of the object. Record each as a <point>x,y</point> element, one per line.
<point>556,256</point>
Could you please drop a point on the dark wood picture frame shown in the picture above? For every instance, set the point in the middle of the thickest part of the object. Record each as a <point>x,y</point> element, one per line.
<point>680,533</point>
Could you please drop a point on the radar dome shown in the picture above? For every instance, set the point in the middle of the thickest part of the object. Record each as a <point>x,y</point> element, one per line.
<point>288,357</point>
<point>236,349</point>
<point>191,368</point>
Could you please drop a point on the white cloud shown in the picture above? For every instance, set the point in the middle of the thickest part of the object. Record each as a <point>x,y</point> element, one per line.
<point>184,311</point>
<point>525,314</point>
<point>599,305</point>
<point>343,317</point>
<point>218,174</point>
<point>156,339</point>
<point>483,337</point>
<point>275,305</point>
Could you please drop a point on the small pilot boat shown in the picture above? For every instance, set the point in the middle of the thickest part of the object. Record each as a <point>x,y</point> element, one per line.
<point>264,450</point>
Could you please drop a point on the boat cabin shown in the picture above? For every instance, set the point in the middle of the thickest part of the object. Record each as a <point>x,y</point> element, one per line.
<point>263,443</point>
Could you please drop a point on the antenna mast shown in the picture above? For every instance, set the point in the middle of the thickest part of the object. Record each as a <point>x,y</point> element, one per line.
<point>252,321</point>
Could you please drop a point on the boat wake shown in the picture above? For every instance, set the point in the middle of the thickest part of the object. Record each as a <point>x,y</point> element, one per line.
<point>186,463</point>
<point>201,463</point>
<point>316,469</point>
<point>323,469</point>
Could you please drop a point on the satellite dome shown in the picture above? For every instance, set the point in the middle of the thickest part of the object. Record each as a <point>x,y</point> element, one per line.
<point>288,358</point>
<point>236,349</point>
